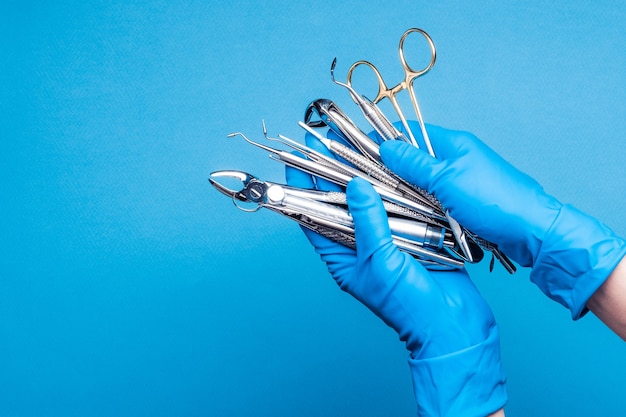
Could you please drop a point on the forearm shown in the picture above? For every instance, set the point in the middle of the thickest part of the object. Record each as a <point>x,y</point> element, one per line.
<point>469,382</point>
<point>608,303</point>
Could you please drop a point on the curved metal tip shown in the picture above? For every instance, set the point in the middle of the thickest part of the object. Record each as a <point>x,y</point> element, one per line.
<point>282,139</point>
<point>314,108</point>
<point>265,131</point>
<point>332,69</point>
<point>239,175</point>
<point>353,93</point>
<point>244,177</point>
<point>241,195</point>
<point>332,76</point>
<point>267,148</point>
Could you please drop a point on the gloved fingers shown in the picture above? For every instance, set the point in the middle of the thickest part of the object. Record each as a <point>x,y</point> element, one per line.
<point>324,245</point>
<point>415,130</point>
<point>371,226</point>
<point>414,165</point>
<point>446,143</point>
<point>450,144</point>
<point>339,259</point>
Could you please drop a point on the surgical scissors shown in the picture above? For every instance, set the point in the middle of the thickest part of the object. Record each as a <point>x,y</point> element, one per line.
<point>384,91</point>
<point>410,74</point>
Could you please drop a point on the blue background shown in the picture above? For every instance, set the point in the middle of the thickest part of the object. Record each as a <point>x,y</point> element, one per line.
<point>128,286</point>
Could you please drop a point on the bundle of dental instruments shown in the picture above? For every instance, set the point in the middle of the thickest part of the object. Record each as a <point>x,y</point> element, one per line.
<point>419,224</point>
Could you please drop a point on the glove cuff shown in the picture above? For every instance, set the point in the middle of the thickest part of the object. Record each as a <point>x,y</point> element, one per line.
<point>576,256</point>
<point>467,383</point>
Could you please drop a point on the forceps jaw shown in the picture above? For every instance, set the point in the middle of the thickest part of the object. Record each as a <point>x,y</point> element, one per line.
<point>252,189</point>
<point>320,107</point>
<point>244,177</point>
<point>329,116</point>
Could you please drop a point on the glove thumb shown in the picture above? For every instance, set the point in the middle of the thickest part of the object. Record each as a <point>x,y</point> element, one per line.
<point>380,264</point>
<point>371,226</point>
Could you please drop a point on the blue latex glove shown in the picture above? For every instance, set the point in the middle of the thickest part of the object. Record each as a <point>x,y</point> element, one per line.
<point>571,253</point>
<point>446,324</point>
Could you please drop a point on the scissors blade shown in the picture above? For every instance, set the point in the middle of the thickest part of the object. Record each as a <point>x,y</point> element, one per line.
<point>460,236</point>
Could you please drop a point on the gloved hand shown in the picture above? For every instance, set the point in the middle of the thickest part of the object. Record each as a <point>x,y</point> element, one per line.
<point>571,253</point>
<point>446,324</point>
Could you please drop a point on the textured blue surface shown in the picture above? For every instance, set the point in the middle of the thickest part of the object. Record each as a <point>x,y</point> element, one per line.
<point>129,287</point>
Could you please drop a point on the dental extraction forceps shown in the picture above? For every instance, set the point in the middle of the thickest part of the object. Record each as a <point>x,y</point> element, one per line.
<point>312,209</point>
<point>410,75</point>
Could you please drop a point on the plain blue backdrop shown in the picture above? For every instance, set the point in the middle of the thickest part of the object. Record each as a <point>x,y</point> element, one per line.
<point>129,287</point>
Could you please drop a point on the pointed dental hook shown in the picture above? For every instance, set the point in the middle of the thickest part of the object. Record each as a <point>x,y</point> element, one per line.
<point>265,132</point>
<point>267,148</point>
<point>332,69</point>
<point>287,141</point>
<point>355,96</point>
<point>332,77</point>
<point>264,128</point>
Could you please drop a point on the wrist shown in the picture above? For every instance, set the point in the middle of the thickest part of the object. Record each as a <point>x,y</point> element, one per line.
<point>469,382</point>
<point>459,316</point>
<point>576,257</point>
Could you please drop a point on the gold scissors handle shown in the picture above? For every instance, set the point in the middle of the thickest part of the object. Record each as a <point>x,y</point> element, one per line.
<point>410,75</point>
<point>385,92</point>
